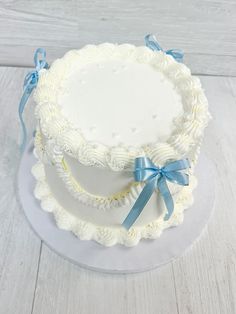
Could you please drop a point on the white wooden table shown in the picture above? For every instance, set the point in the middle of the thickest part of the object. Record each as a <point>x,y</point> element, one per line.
<point>35,280</point>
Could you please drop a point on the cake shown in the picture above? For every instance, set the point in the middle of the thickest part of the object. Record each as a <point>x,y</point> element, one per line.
<point>110,119</point>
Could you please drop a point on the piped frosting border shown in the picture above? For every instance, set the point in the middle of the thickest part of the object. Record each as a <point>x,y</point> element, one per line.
<point>48,153</point>
<point>107,236</point>
<point>187,132</point>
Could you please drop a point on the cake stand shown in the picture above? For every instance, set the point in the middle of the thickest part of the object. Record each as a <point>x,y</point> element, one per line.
<point>148,254</point>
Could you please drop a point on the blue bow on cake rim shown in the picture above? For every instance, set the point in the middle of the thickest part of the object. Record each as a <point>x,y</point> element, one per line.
<point>155,179</point>
<point>30,82</point>
<point>151,42</point>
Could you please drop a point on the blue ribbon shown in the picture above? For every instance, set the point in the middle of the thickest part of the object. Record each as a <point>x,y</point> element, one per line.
<point>152,43</point>
<point>30,82</point>
<point>155,178</point>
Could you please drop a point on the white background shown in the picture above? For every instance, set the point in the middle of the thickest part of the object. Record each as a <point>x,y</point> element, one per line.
<point>35,280</point>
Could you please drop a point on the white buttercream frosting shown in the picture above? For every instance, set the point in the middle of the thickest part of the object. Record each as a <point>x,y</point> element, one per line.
<point>129,190</point>
<point>83,182</point>
<point>125,96</point>
<point>55,117</point>
<point>99,108</point>
<point>107,234</point>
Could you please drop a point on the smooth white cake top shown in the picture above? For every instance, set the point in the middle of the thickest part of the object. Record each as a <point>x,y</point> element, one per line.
<point>118,101</point>
<point>105,105</point>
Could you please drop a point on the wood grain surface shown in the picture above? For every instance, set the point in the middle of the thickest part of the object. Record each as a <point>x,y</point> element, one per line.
<point>204,29</point>
<point>33,279</point>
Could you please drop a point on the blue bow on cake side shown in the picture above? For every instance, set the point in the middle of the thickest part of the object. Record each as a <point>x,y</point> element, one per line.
<point>151,42</point>
<point>155,179</point>
<point>30,82</point>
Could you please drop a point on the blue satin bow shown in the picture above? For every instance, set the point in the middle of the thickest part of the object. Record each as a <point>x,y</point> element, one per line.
<point>155,178</point>
<point>152,43</point>
<point>30,82</point>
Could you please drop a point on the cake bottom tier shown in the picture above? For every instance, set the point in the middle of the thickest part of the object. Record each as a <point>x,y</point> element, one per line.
<point>104,226</point>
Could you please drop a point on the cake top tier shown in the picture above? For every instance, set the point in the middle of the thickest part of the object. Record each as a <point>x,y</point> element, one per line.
<point>108,104</point>
<point>120,102</point>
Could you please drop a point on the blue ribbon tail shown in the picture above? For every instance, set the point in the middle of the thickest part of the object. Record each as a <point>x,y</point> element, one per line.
<point>177,54</point>
<point>165,192</point>
<point>30,82</point>
<point>22,104</point>
<point>140,203</point>
<point>151,43</point>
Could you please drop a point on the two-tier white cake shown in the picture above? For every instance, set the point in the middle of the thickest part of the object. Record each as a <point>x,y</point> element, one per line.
<point>98,109</point>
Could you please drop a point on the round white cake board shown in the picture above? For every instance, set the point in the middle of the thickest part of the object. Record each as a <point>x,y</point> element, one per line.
<point>148,254</point>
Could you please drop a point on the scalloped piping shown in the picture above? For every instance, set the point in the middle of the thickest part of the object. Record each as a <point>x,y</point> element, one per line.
<point>188,129</point>
<point>124,197</point>
<point>107,236</point>
<point>50,155</point>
